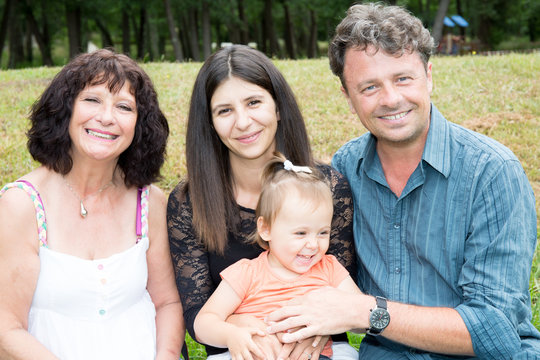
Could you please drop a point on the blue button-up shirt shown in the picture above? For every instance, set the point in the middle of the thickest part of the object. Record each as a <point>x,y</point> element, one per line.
<point>461,235</point>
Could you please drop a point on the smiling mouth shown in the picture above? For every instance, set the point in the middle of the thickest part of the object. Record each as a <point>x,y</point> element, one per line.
<point>397,116</point>
<point>249,138</point>
<point>305,258</point>
<point>101,135</point>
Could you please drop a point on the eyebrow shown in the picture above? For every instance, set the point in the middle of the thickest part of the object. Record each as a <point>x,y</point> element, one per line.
<point>399,74</point>
<point>226,104</point>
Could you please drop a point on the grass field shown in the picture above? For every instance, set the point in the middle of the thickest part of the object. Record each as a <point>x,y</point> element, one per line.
<point>498,96</point>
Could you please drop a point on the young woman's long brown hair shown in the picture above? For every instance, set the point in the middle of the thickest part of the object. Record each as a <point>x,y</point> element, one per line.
<point>209,180</point>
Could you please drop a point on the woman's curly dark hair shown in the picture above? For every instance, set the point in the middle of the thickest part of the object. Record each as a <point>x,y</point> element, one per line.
<point>48,138</point>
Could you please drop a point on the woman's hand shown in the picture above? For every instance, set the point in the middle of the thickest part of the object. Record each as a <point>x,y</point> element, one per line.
<point>309,348</point>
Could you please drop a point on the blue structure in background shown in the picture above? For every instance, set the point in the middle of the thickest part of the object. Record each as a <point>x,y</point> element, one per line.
<point>455,20</point>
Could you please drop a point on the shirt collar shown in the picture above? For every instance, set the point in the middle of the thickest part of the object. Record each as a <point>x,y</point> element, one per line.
<point>436,151</point>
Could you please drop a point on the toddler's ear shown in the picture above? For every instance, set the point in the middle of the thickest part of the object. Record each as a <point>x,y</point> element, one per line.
<point>263,229</point>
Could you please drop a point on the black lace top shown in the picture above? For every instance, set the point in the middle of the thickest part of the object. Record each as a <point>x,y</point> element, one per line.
<point>197,270</point>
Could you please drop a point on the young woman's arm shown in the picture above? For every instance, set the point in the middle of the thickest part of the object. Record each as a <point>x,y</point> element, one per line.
<point>161,285</point>
<point>212,329</point>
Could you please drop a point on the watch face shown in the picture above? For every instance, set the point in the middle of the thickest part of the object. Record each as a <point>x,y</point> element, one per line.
<point>379,318</point>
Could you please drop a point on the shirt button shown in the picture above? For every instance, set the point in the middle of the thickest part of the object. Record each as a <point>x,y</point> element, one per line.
<point>100,267</point>
<point>396,226</point>
<point>397,270</point>
<point>102,312</point>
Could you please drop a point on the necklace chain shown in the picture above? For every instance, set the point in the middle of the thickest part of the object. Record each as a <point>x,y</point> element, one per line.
<point>83,211</point>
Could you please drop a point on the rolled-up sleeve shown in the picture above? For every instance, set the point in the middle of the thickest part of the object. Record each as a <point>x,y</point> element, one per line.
<point>497,262</point>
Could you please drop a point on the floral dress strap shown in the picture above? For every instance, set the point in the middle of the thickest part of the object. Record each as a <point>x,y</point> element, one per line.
<point>38,204</point>
<point>142,212</point>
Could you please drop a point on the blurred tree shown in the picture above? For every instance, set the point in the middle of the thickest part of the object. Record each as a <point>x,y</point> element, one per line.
<point>175,40</point>
<point>290,43</point>
<point>73,22</point>
<point>191,29</point>
<point>41,36</point>
<point>269,44</point>
<point>16,49</point>
<point>244,35</point>
<point>439,19</point>
<point>126,38</point>
<point>4,24</point>
<point>206,29</point>
<point>533,21</point>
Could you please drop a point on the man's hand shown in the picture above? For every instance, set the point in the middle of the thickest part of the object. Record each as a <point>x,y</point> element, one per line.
<point>309,348</point>
<point>325,311</point>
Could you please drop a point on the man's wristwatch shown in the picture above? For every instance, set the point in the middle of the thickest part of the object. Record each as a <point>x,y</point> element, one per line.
<point>379,318</point>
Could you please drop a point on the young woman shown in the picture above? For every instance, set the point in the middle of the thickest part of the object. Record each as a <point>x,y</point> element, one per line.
<point>242,109</point>
<point>294,217</point>
<point>84,257</point>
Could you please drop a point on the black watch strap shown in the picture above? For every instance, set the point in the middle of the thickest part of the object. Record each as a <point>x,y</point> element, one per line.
<point>381,302</point>
<point>380,310</point>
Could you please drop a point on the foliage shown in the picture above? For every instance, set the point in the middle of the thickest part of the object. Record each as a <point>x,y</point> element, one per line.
<point>146,28</point>
<point>497,96</point>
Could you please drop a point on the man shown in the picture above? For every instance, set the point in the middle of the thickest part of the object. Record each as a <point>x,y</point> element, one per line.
<point>445,221</point>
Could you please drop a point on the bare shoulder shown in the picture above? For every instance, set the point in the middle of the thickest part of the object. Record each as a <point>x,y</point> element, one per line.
<point>17,214</point>
<point>157,198</point>
<point>16,203</point>
<point>157,214</point>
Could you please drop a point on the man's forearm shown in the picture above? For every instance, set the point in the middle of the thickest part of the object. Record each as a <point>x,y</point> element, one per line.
<point>433,329</point>
<point>330,311</point>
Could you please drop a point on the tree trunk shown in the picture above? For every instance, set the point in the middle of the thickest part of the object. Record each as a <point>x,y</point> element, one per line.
<point>289,31</point>
<point>244,27</point>
<point>73,20</point>
<point>439,20</point>
<point>427,11</point>
<point>28,44</point>
<point>140,34</point>
<point>313,47</point>
<point>184,36</point>
<point>126,38</point>
<point>206,30</point>
<point>42,39</point>
<point>460,13</point>
<point>216,24</point>
<point>106,39</point>
<point>152,37</point>
<point>16,48</point>
<point>193,35</point>
<point>177,47</point>
<point>45,34</point>
<point>484,29</point>
<point>9,4</point>
<point>270,31</point>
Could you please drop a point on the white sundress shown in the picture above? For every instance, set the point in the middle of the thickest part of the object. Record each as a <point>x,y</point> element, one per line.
<point>93,309</point>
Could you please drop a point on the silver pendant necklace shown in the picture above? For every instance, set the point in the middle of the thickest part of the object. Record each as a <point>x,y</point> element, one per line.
<point>84,212</point>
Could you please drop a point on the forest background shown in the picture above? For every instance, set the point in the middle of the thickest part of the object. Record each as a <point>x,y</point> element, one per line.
<point>50,32</point>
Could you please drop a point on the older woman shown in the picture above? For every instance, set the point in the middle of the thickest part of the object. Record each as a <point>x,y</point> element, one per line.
<point>84,257</point>
<point>242,109</point>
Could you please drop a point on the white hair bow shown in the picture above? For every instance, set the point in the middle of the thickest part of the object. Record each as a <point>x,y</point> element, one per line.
<point>289,166</point>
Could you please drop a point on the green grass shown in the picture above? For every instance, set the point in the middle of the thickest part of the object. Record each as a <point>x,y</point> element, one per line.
<point>497,96</point>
